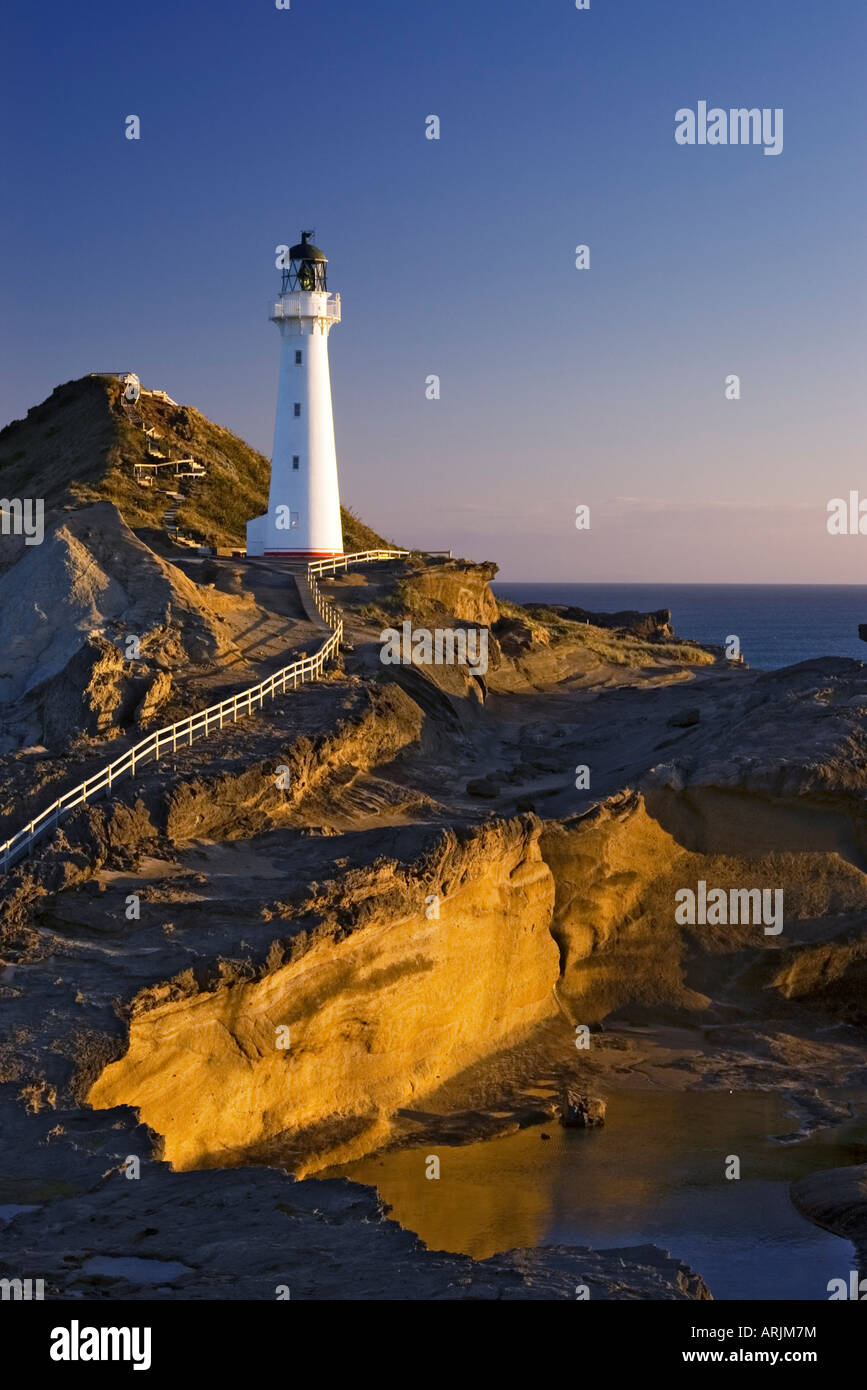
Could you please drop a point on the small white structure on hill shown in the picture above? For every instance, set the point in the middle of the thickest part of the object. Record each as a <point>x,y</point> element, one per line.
<point>303,517</point>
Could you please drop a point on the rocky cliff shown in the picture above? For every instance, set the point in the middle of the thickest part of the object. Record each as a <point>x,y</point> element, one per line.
<point>318,1054</point>
<point>376,911</point>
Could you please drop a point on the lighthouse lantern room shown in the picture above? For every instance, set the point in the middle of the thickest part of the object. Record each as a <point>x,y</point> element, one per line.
<point>303,517</point>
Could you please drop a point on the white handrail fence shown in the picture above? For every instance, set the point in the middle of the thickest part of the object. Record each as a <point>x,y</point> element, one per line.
<point>204,722</point>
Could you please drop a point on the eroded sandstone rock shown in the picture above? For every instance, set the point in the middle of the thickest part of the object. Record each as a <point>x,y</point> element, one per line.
<point>580,1111</point>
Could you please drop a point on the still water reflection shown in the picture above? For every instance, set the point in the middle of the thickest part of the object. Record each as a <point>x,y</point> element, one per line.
<point>655,1173</point>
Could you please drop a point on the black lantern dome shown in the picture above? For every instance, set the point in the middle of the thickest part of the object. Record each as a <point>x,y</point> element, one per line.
<point>306,270</point>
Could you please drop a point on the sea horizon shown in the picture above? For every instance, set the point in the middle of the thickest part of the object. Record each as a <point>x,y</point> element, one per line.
<point>777,624</point>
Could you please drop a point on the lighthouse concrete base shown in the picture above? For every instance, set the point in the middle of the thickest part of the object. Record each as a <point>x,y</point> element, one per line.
<point>257,545</point>
<point>256,535</point>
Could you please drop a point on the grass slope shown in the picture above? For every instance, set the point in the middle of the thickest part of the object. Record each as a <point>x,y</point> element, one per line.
<point>79,447</point>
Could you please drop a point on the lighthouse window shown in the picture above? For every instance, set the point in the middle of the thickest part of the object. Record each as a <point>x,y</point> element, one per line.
<point>299,358</point>
<point>297,407</point>
<point>296,462</point>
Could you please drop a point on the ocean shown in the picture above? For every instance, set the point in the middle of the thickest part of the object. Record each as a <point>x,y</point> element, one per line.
<point>778,624</point>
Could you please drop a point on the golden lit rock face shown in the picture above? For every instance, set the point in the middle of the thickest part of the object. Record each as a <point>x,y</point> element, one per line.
<point>615,872</point>
<point>385,1001</point>
<point>375,1021</point>
<point>461,591</point>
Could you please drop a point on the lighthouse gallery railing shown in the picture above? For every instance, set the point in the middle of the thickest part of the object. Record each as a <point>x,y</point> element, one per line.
<point>295,306</point>
<point>204,722</point>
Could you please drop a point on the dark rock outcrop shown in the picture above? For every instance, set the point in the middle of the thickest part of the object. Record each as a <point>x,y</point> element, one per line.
<point>579,1111</point>
<point>514,636</point>
<point>657,624</point>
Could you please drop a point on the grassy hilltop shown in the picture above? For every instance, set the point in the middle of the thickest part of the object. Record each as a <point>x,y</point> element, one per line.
<point>78,447</point>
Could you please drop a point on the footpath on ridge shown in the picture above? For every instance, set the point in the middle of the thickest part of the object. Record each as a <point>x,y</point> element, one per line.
<point>204,722</point>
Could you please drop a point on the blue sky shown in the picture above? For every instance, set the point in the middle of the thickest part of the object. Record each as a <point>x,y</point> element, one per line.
<point>456,257</point>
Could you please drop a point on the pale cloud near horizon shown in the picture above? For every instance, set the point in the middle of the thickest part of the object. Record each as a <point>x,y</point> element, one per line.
<point>685,504</point>
<point>552,519</point>
<point>634,539</point>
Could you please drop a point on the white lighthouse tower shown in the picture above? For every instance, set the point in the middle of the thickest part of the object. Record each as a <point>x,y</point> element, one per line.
<point>303,517</point>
